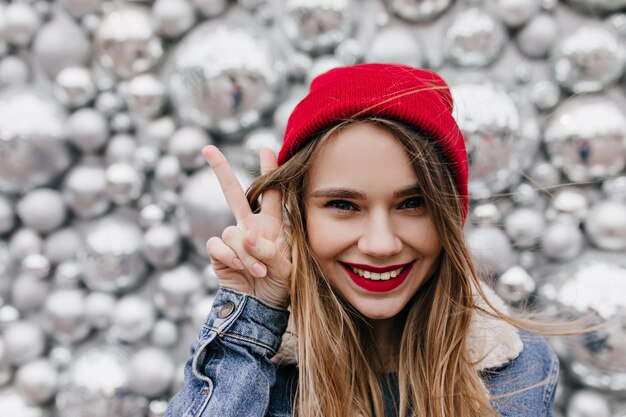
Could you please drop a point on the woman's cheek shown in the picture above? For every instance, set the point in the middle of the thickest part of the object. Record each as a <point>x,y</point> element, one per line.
<point>328,235</point>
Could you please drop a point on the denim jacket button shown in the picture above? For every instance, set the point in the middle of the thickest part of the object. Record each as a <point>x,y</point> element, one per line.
<point>225,310</point>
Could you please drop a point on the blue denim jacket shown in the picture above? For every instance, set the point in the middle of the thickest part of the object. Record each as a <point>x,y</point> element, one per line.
<point>230,372</point>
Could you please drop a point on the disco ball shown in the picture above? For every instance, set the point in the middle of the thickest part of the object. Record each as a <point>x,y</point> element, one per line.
<point>474,38</point>
<point>592,289</point>
<point>33,147</point>
<point>203,211</point>
<point>111,255</point>
<point>60,44</point>
<point>74,86</point>
<point>225,75</point>
<point>589,59</point>
<point>606,225</point>
<point>418,10</point>
<point>80,8</point>
<point>14,405</point>
<point>516,13</point>
<point>536,38</point>
<point>587,403</point>
<point>97,384</point>
<point>84,189</point>
<point>396,44</point>
<point>126,41</point>
<point>147,379</point>
<point>144,95</point>
<point>318,26</point>
<point>586,138</point>
<point>133,319</point>
<point>501,138</point>
<point>64,316</point>
<point>491,250</point>
<point>176,290</point>
<point>37,381</point>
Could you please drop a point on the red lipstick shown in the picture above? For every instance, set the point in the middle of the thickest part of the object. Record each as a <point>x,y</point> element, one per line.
<point>378,286</point>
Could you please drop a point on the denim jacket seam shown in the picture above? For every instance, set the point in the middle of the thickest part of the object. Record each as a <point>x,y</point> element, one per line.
<point>204,404</point>
<point>244,295</point>
<point>194,363</point>
<point>547,395</point>
<point>244,338</point>
<point>203,343</point>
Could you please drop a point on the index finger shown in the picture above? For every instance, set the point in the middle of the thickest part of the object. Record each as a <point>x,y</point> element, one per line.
<point>235,196</point>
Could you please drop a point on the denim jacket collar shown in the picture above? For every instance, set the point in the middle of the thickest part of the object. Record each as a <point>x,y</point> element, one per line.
<point>492,342</point>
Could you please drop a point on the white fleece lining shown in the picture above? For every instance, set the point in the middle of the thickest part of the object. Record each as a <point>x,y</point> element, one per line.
<point>491,342</point>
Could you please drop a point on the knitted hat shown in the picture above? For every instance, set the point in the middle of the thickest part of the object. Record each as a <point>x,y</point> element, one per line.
<point>417,97</point>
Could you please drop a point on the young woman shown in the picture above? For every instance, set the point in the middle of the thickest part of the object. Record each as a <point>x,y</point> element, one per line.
<point>346,285</point>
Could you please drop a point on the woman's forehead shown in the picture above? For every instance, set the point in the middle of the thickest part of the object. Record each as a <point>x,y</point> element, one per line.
<point>362,156</point>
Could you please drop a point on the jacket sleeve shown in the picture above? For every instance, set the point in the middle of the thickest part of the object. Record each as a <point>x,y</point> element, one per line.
<point>229,372</point>
<point>526,386</point>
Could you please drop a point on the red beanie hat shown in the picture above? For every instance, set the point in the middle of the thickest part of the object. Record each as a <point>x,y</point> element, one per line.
<point>417,97</point>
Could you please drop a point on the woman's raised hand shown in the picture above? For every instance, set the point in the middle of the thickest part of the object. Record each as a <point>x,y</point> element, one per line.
<point>250,257</point>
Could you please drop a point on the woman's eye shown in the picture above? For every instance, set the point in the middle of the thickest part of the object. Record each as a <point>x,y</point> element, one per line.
<point>340,205</point>
<point>414,203</point>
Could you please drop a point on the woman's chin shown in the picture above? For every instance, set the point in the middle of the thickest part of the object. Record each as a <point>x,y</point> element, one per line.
<point>373,313</point>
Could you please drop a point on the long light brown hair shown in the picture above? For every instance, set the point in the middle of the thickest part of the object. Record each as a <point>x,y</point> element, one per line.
<point>339,373</point>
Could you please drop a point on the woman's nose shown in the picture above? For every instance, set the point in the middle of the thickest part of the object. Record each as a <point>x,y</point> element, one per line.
<point>379,239</point>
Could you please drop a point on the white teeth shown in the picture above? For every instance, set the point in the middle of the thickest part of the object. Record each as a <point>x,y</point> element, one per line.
<point>376,276</point>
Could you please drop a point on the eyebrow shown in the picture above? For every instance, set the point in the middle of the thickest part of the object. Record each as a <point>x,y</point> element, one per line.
<point>357,195</point>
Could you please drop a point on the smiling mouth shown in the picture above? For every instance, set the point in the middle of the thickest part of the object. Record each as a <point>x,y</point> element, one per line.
<point>384,279</point>
<point>377,273</point>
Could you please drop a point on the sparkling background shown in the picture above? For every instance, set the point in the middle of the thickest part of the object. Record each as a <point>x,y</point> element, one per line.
<point>106,203</point>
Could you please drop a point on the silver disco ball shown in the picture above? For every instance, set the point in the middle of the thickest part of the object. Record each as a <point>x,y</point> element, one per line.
<point>589,59</point>
<point>14,405</point>
<point>33,147</point>
<point>226,74</point>
<point>501,139</point>
<point>80,8</point>
<point>589,403</point>
<point>592,289</point>
<point>418,10</point>
<point>586,138</point>
<point>474,38</point>
<point>606,225</point>
<point>111,255</point>
<point>97,384</point>
<point>176,290</point>
<point>491,250</point>
<point>203,211</point>
<point>318,26</point>
<point>396,44</point>
<point>126,41</point>
<point>61,43</point>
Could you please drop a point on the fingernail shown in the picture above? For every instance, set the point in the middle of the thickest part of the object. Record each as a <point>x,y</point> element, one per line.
<point>238,264</point>
<point>258,270</point>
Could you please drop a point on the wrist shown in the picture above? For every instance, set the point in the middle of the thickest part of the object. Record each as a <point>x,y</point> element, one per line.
<point>281,304</point>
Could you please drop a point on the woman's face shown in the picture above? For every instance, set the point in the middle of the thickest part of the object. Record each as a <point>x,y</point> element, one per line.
<point>366,221</point>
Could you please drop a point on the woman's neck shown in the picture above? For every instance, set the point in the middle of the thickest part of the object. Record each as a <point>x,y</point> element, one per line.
<point>387,334</point>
